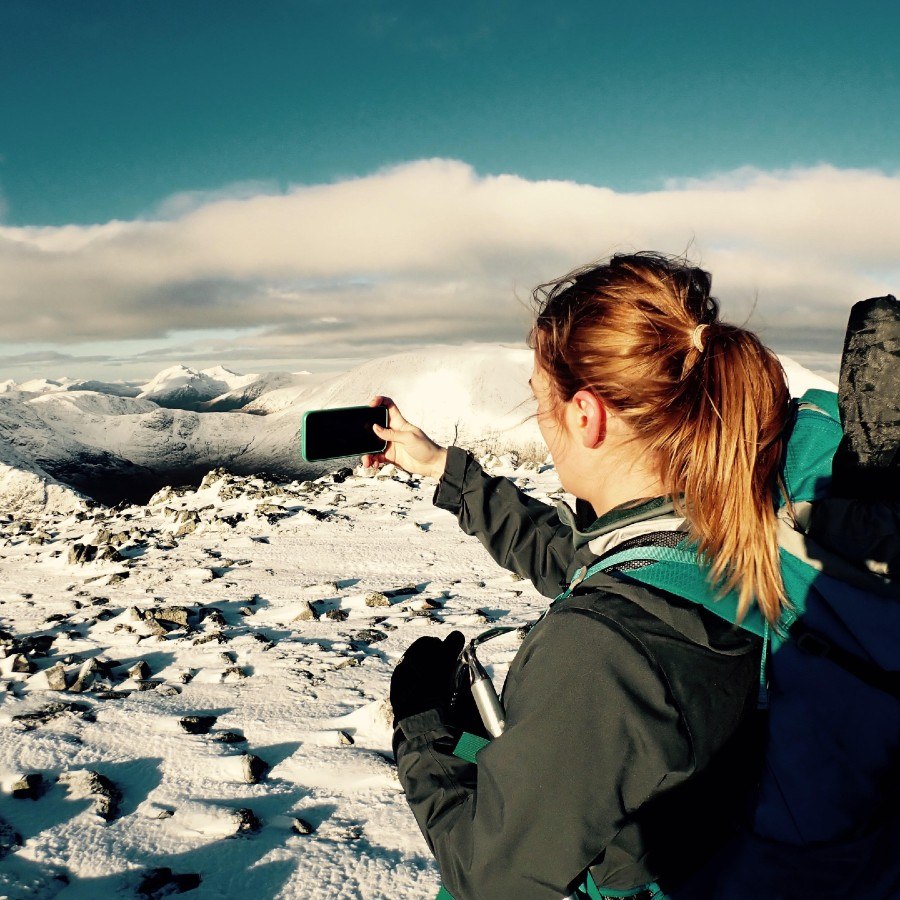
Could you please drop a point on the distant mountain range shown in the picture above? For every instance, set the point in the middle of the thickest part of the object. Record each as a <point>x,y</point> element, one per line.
<point>117,440</point>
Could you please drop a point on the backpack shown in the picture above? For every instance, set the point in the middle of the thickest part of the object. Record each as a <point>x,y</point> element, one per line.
<point>824,821</point>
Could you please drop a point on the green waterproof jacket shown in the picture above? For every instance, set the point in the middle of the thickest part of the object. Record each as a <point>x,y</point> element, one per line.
<point>630,728</point>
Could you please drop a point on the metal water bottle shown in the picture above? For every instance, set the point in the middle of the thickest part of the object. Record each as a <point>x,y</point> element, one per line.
<point>484,694</point>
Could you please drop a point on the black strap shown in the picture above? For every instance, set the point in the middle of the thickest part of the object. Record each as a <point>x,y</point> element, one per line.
<point>813,643</point>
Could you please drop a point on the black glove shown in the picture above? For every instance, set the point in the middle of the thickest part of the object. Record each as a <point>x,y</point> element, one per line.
<point>425,678</point>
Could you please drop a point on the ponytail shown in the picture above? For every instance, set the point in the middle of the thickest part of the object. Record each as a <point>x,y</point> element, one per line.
<point>706,399</point>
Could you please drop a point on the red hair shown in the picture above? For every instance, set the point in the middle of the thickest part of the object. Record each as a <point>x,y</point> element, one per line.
<point>709,405</point>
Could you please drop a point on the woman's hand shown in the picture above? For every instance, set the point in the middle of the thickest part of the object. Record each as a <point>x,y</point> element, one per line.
<point>426,676</point>
<point>408,446</point>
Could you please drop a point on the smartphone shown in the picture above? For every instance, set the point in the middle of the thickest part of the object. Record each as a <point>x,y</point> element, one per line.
<point>334,433</point>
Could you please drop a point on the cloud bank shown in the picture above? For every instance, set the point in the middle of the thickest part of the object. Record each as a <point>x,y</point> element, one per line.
<point>431,251</point>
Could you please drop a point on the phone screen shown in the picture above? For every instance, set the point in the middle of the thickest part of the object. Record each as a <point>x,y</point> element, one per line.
<point>333,433</point>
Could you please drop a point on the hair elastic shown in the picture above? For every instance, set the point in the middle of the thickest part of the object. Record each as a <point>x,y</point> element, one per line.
<point>697,337</point>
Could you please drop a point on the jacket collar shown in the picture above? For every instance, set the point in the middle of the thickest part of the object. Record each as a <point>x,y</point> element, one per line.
<point>616,519</point>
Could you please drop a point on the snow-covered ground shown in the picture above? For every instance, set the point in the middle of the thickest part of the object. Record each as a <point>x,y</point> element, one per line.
<point>273,613</point>
<point>280,611</point>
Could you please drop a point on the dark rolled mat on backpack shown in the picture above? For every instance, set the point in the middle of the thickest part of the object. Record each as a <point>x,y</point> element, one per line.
<point>867,463</point>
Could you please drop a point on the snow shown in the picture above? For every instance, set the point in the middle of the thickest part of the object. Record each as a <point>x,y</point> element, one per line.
<point>179,385</point>
<point>319,682</point>
<point>280,609</point>
<point>800,379</point>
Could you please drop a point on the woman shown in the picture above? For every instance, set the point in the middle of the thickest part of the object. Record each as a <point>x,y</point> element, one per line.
<point>629,740</point>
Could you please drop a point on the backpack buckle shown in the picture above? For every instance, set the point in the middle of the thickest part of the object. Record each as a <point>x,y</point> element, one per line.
<point>813,645</point>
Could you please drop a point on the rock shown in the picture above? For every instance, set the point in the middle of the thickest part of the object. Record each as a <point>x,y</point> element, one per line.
<point>189,520</point>
<point>346,738</point>
<point>254,768</point>
<point>247,821</point>
<point>272,512</point>
<point>233,673</point>
<point>301,826</point>
<point>213,636</point>
<point>10,839</point>
<point>52,679</point>
<point>232,520</point>
<point>337,615</point>
<point>245,611</point>
<point>405,590</point>
<point>17,663</point>
<point>212,616</point>
<point>86,675</point>
<point>27,721</point>
<point>197,724</point>
<point>376,598</point>
<point>229,737</point>
<point>82,553</point>
<point>140,671</point>
<point>341,475</point>
<point>85,783</point>
<point>178,615</point>
<point>168,690</point>
<point>307,613</point>
<point>29,787</point>
<point>266,643</point>
<point>109,554</point>
<point>118,577</point>
<point>163,882</point>
<point>368,636</point>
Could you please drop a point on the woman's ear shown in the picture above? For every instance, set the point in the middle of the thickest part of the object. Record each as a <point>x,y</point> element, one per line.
<point>590,418</point>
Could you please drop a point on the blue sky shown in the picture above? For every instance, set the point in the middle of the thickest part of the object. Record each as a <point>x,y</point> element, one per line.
<point>147,111</point>
<point>108,107</point>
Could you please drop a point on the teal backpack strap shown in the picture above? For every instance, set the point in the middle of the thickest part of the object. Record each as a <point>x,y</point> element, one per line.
<point>588,889</point>
<point>811,446</point>
<point>469,746</point>
<point>677,571</point>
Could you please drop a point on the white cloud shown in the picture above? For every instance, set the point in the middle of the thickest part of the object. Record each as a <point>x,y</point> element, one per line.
<point>432,251</point>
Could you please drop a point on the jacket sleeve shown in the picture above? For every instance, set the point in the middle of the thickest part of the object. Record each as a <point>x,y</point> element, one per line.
<point>591,733</point>
<point>521,533</point>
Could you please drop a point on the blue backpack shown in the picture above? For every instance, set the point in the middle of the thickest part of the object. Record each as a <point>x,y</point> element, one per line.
<point>824,821</point>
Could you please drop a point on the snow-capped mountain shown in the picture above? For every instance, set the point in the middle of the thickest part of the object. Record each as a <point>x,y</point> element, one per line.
<point>112,446</point>
<point>182,388</point>
<point>245,397</point>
